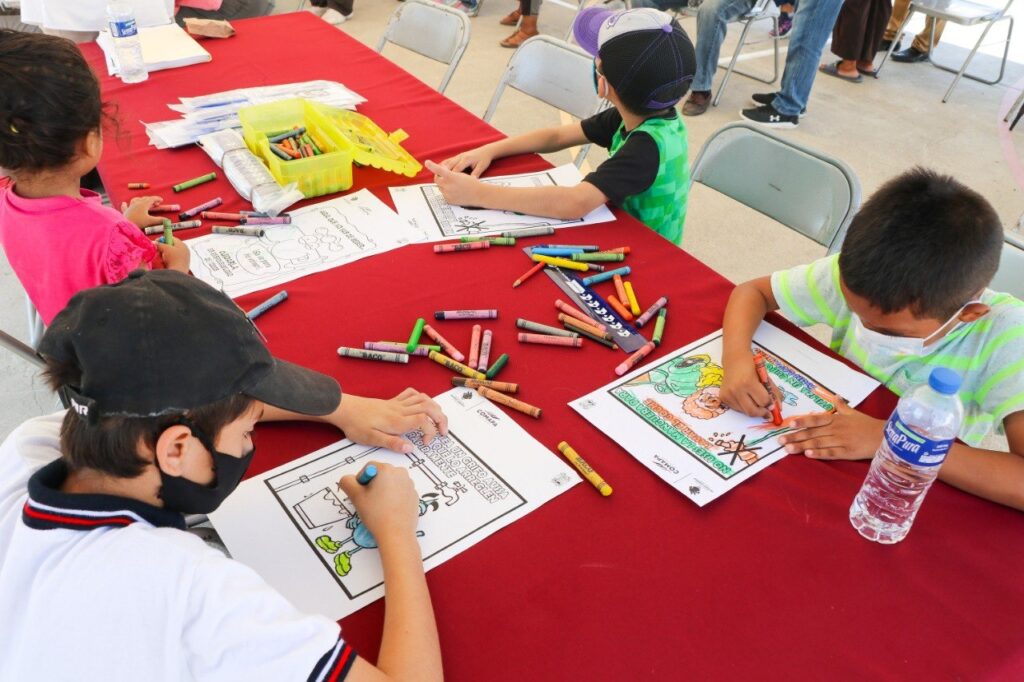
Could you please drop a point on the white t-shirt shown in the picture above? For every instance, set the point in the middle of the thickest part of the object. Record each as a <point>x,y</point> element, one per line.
<point>96,587</point>
<point>91,15</point>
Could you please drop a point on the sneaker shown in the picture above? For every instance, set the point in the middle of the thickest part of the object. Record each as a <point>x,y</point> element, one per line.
<point>697,103</point>
<point>770,118</point>
<point>764,98</point>
<point>334,17</point>
<point>785,26</point>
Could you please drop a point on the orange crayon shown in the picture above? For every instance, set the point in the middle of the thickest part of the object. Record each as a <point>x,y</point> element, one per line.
<point>581,316</point>
<point>529,273</point>
<point>620,289</point>
<point>762,375</point>
<point>509,401</point>
<point>444,343</point>
<point>546,340</point>
<point>623,313</point>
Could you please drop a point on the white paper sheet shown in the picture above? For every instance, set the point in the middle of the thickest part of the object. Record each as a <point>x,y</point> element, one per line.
<point>427,210</point>
<point>163,47</point>
<point>295,527</point>
<point>320,237</point>
<point>667,413</point>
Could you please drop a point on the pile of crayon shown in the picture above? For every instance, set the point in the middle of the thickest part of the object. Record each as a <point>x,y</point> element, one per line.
<point>296,143</point>
<point>477,243</point>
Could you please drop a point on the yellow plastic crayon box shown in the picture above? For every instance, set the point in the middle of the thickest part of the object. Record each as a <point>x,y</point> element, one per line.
<point>327,173</point>
<point>371,146</point>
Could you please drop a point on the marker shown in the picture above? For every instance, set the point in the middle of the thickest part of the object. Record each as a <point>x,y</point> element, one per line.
<point>605,276</point>
<point>482,314</point>
<point>620,290</point>
<point>182,186</point>
<point>568,252</point>
<point>414,337</point>
<point>598,257</point>
<point>762,375</point>
<point>390,347</point>
<point>468,246</point>
<point>509,401</point>
<point>634,305</point>
<point>635,359</point>
<point>503,386</point>
<point>168,233</point>
<point>582,317</point>
<point>241,231</point>
<point>529,232</point>
<point>138,185</point>
<point>485,351</point>
<point>267,305</point>
<point>266,220</point>
<point>538,328</point>
<point>363,354</point>
<point>474,346</point>
<point>368,473</point>
<point>620,309</point>
<point>659,326</point>
<point>529,273</point>
<point>498,365</point>
<point>445,344</point>
<point>216,215</point>
<point>547,340</point>
<point>652,311</point>
<point>165,208</point>
<point>455,366</point>
<point>212,203</point>
<point>560,263</point>
<point>582,327</point>
<point>582,247</point>
<point>186,225</point>
<point>584,468</point>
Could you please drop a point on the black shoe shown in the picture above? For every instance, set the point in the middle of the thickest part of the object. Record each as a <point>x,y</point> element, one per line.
<point>770,118</point>
<point>764,98</point>
<point>910,56</point>
<point>886,44</point>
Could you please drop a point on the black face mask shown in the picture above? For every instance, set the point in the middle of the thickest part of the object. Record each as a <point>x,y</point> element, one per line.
<point>188,497</point>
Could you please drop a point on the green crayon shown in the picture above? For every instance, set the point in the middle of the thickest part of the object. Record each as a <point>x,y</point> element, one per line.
<point>598,257</point>
<point>414,338</point>
<point>498,365</point>
<point>659,326</point>
<point>182,186</point>
<point>168,233</point>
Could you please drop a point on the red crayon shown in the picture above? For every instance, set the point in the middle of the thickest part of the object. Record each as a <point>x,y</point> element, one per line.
<point>762,375</point>
<point>529,273</point>
<point>165,208</point>
<point>635,359</point>
<point>217,215</point>
<point>544,339</point>
<point>583,317</point>
<point>449,349</point>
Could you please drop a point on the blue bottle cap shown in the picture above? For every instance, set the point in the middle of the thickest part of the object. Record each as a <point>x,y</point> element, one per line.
<point>944,380</point>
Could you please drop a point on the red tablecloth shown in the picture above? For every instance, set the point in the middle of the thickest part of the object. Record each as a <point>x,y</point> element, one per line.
<point>769,582</point>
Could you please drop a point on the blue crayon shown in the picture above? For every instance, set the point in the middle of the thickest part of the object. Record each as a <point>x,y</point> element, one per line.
<point>368,473</point>
<point>552,251</point>
<point>267,305</point>
<point>582,247</point>
<point>604,276</point>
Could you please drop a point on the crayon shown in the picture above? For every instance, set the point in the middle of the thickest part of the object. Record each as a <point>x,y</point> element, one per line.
<point>364,354</point>
<point>585,469</point>
<point>503,386</point>
<point>595,337</point>
<point>659,326</point>
<point>212,203</point>
<point>485,350</point>
<point>165,208</point>
<point>652,311</point>
<point>605,276</point>
<point>494,241</point>
<point>182,186</point>
<point>267,305</point>
<point>414,336</point>
<point>559,262</point>
<point>620,290</point>
<point>582,317</point>
<point>266,220</point>
<point>582,327</point>
<point>455,366</point>
<point>598,257</point>
<point>555,251</point>
<point>292,154</point>
<point>620,309</point>
<point>538,328</point>
<point>498,365</point>
<point>138,185</point>
<point>368,473</point>
<point>186,225</point>
<point>288,134</point>
<point>168,233</point>
<point>240,231</point>
<point>424,347</point>
<point>634,305</point>
<point>548,340</point>
<point>454,248</point>
<point>619,249</point>
<point>529,273</point>
<point>255,214</point>
<point>581,247</point>
<point>509,401</point>
<point>762,375</point>
<point>529,232</point>
<point>485,314</point>
<point>280,153</point>
<point>635,359</point>
<point>474,346</point>
<point>216,215</point>
<point>391,347</point>
<point>594,267</point>
<point>445,344</point>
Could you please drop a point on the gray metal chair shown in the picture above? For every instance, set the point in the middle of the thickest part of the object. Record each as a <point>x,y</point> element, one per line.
<point>805,190</point>
<point>1010,275</point>
<point>965,13</point>
<point>430,29</point>
<point>556,73</point>
<point>20,349</point>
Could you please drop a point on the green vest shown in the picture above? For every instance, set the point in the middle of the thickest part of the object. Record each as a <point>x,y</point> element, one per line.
<point>662,206</point>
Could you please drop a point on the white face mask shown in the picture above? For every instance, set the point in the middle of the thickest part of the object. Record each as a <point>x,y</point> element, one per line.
<point>902,345</point>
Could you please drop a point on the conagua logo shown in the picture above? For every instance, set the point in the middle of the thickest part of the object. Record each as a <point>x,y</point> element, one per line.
<point>661,463</point>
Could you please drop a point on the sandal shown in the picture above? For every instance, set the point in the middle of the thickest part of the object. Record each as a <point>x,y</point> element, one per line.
<point>517,39</point>
<point>833,70</point>
<point>511,19</point>
<point>870,73</point>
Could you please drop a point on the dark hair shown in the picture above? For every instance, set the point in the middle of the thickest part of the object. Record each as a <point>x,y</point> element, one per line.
<point>923,241</point>
<point>112,445</point>
<point>49,101</point>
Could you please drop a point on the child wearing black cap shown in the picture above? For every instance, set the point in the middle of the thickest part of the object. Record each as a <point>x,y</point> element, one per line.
<point>165,378</point>
<point>644,64</point>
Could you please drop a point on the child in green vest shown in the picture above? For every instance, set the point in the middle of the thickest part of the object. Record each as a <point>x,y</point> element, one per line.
<point>644,64</point>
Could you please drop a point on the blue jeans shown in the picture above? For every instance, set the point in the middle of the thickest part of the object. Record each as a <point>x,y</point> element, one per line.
<point>712,19</point>
<point>812,25</point>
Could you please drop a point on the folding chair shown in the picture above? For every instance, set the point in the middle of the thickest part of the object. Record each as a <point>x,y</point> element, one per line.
<point>805,190</point>
<point>1010,275</point>
<point>556,73</point>
<point>965,13</point>
<point>20,349</point>
<point>432,30</point>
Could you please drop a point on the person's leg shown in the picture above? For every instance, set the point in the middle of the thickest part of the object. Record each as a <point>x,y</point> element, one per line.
<point>527,24</point>
<point>229,10</point>
<point>848,36</point>
<point>878,18</point>
<point>921,39</point>
<point>811,27</point>
<point>899,13</point>
<point>712,20</point>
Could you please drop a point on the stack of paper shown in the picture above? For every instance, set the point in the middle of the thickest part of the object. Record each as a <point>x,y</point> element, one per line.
<point>163,47</point>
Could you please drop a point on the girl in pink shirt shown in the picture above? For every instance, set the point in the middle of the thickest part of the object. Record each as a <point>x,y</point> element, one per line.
<point>59,238</point>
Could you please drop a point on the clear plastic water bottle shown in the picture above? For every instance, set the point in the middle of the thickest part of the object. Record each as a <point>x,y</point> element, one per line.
<point>917,438</point>
<point>127,48</point>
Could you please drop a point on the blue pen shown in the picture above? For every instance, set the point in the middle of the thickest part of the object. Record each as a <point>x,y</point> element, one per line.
<point>553,251</point>
<point>582,247</point>
<point>368,473</point>
<point>603,276</point>
<point>267,305</point>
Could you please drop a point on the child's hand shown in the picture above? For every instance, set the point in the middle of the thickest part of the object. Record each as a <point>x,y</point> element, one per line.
<point>742,390</point>
<point>138,211</point>
<point>478,160</point>
<point>382,422</point>
<point>388,505</point>
<point>846,434</point>
<point>175,257</point>
<point>456,188</point>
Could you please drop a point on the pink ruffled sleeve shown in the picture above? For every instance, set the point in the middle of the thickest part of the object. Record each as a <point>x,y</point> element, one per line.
<point>127,249</point>
<point>198,4</point>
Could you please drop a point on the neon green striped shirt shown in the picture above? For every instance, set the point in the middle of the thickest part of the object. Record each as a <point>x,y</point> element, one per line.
<point>988,353</point>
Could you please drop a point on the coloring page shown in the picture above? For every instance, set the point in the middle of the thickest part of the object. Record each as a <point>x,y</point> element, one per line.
<point>669,416</point>
<point>296,527</point>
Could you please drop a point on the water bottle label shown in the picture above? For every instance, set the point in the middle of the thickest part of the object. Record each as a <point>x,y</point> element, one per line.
<point>124,28</point>
<point>911,446</point>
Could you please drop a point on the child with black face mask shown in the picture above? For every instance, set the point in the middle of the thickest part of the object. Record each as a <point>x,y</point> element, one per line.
<point>165,379</point>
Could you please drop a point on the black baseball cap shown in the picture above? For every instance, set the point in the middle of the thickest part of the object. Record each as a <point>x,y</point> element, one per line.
<point>163,342</point>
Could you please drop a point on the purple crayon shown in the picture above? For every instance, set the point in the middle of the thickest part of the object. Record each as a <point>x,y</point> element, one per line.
<point>212,203</point>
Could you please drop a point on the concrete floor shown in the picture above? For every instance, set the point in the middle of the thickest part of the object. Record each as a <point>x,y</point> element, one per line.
<point>879,127</point>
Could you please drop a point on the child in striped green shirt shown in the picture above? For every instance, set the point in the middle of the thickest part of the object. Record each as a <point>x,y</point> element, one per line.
<point>907,293</point>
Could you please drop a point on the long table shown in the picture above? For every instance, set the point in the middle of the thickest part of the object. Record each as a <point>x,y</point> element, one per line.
<point>769,582</point>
